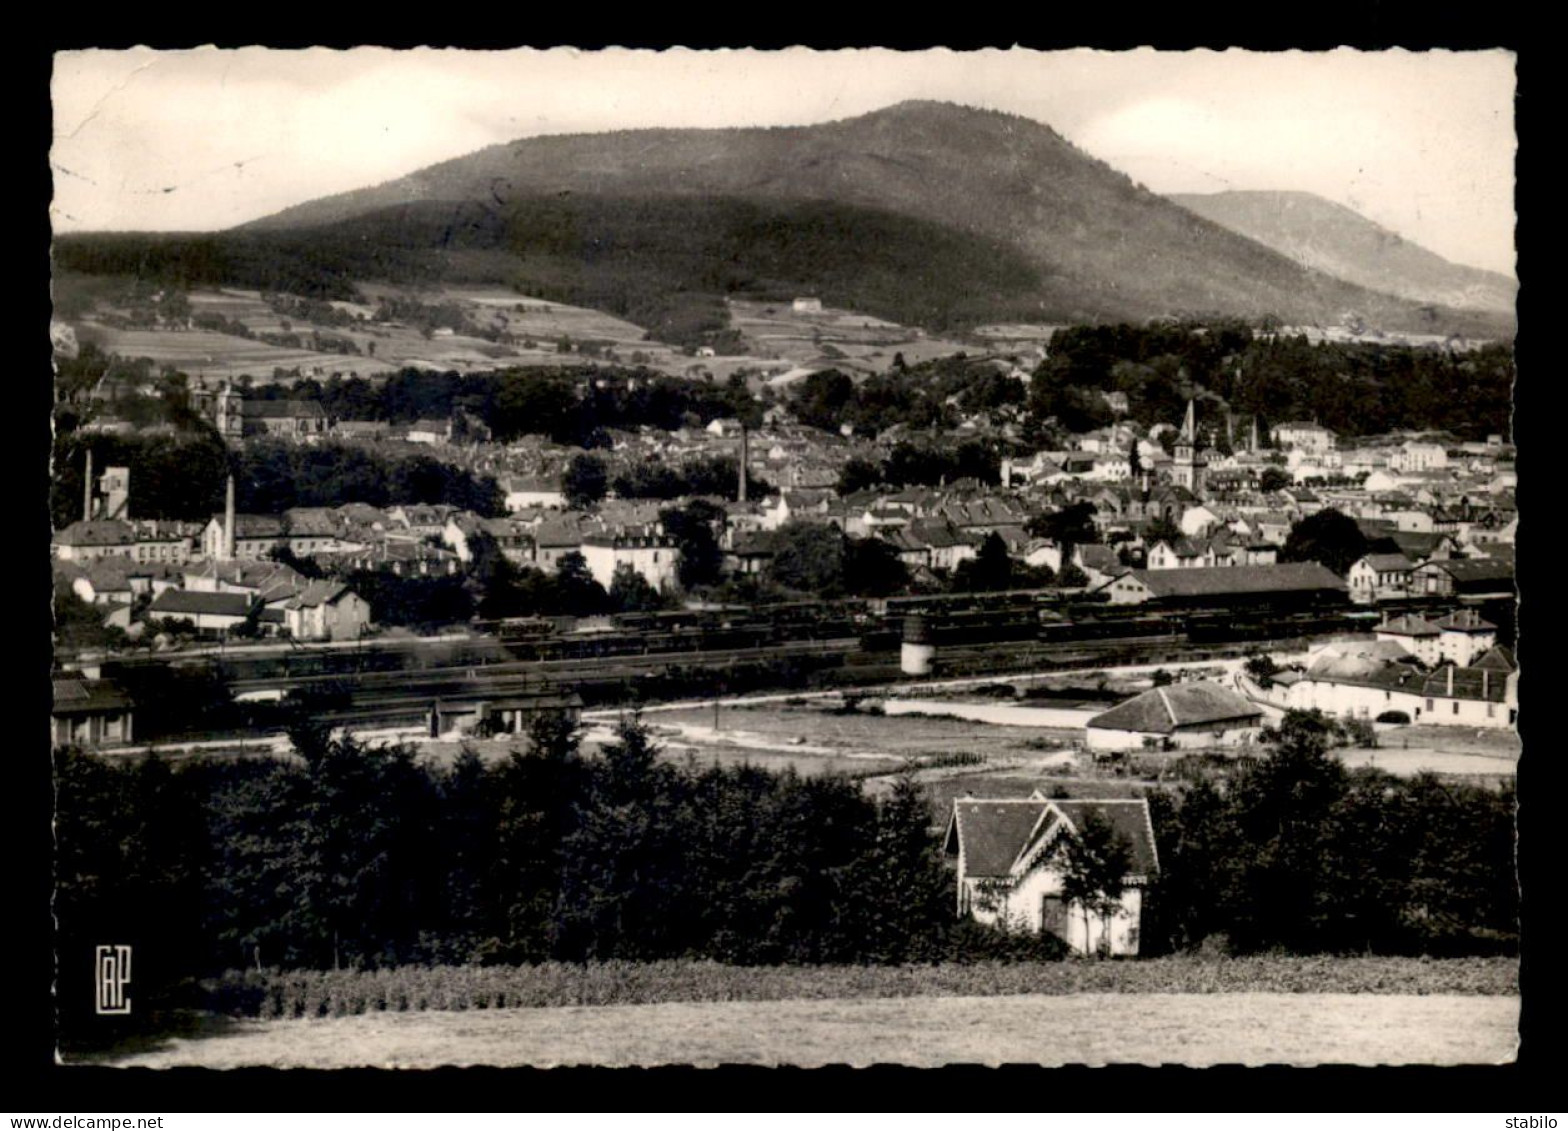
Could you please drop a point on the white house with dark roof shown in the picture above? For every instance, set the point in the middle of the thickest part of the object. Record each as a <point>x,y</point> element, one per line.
<point>1010,868</point>
<point>1464,635</point>
<point>524,491</point>
<point>1417,635</point>
<point>86,540</point>
<point>1179,716</point>
<point>647,550</point>
<point>209,612</point>
<point>1479,696</point>
<point>326,610</point>
<point>1304,435</point>
<point>1356,679</point>
<point>1379,576</point>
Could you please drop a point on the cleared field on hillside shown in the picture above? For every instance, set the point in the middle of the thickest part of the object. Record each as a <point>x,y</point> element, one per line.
<point>777,330</point>
<point>1193,1029</point>
<point>200,353</point>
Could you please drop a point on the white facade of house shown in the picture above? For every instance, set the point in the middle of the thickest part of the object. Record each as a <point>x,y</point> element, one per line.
<point>1372,579</point>
<point>1416,456</point>
<point>655,558</point>
<point>1439,709</point>
<point>1311,437</point>
<point>342,618</point>
<point>1184,738</point>
<point>1029,902</point>
<point>1457,646</point>
<point>1348,700</point>
<point>1423,647</point>
<point>522,496</point>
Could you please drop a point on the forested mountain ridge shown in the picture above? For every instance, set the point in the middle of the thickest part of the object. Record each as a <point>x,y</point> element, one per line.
<point>936,199</point>
<point>1330,237</point>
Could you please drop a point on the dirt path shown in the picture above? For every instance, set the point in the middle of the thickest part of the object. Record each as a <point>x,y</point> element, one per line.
<point>1192,1029</point>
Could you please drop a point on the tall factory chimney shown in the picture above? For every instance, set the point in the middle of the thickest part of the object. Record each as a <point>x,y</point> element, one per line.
<point>87,490</point>
<point>745,458</point>
<point>228,521</point>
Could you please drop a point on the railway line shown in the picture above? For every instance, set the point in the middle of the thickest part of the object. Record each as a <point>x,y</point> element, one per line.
<point>684,652</point>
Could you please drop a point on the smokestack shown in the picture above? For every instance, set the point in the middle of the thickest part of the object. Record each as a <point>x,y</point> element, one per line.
<point>745,455</point>
<point>87,490</point>
<point>1450,681</point>
<point>1485,682</point>
<point>228,521</point>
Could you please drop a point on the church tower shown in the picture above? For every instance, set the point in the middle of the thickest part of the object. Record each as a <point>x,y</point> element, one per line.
<point>1187,469</point>
<point>230,414</point>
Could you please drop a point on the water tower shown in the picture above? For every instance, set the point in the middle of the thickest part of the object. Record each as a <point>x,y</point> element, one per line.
<point>918,652</point>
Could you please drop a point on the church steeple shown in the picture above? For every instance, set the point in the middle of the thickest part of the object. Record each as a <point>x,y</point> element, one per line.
<point>1187,469</point>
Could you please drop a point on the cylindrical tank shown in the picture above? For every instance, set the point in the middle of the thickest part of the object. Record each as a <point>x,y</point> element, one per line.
<point>917,652</point>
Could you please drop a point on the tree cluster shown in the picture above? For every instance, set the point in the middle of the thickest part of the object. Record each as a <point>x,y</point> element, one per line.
<point>1293,851</point>
<point>362,856</point>
<point>182,476</point>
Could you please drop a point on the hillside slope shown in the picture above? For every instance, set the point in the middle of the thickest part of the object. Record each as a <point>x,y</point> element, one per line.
<point>1339,241</point>
<point>928,193</point>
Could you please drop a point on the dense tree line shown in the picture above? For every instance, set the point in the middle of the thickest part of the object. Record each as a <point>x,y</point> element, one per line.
<point>716,476</point>
<point>357,855</point>
<point>569,406</point>
<point>1292,850</point>
<point>821,560</point>
<point>183,476</point>
<point>1353,388</point>
<point>362,856</point>
<point>928,462</point>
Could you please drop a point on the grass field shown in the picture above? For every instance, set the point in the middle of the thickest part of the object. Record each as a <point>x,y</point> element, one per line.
<point>867,343</point>
<point>1192,1029</point>
<point>201,353</point>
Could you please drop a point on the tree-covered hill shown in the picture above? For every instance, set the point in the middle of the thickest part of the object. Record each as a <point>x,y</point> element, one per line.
<point>923,212</point>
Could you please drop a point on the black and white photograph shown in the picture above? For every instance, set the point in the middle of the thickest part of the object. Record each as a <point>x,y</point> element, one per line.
<point>801,557</point>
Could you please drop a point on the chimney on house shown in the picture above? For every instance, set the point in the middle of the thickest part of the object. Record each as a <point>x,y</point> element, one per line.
<point>1451,680</point>
<point>228,521</point>
<point>1486,682</point>
<point>745,455</point>
<point>87,490</point>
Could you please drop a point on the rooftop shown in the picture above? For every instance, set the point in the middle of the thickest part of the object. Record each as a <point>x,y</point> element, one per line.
<point>1163,710</point>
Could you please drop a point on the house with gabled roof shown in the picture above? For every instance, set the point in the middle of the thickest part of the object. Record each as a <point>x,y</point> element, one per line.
<point>1183,553</point>
<point>1466,577</point>
<point>1375,577</point>
<point>1181,715</point>
<point>209,612</point>
<point>1418,636</point>
<point>85,540</point>
<point>326,610</point>
<point>1008,855</point>
<point>1464,635</point>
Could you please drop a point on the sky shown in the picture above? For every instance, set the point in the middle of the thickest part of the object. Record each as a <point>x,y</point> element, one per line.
<point>1422,143</point>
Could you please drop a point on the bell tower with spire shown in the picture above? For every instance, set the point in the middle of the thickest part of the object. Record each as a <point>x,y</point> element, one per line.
<point>1188,467</point>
